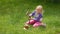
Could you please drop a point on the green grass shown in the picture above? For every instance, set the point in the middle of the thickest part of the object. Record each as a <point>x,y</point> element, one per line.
<point>12,17</point>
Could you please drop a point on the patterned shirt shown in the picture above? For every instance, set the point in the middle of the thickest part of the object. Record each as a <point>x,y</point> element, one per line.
<point>36,16</point>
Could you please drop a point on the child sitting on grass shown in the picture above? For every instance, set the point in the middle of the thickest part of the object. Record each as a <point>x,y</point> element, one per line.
<point>36,21</point>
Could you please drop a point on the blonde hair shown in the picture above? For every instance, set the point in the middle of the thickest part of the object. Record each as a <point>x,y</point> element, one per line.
<point>39,7</point>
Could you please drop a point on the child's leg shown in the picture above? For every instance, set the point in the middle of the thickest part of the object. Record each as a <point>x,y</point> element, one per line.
<point>31,22</point>
<point>37,24</point>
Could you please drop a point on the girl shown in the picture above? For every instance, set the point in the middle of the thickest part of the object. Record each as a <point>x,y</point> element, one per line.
<point>37,15</point>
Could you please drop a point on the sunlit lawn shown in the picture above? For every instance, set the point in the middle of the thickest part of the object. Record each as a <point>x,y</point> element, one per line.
<point>13,16</point>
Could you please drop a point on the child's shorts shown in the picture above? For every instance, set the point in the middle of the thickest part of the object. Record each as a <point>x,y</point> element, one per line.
<point>34,23</point>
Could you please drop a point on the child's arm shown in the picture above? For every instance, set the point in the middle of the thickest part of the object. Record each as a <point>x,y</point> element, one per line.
<point>32,14</point>
<point>41,19</point>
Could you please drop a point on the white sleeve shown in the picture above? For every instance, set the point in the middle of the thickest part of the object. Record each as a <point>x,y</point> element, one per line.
<point>41,19</point>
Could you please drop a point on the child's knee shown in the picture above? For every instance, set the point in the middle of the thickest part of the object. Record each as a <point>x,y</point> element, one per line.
<point>30,21</point>
<point>35,25</point>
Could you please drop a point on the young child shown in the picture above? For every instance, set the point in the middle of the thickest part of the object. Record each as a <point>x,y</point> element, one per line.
<point>35,18</point>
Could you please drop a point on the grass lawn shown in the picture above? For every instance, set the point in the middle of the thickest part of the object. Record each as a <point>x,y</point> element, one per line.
<point>13,16</point>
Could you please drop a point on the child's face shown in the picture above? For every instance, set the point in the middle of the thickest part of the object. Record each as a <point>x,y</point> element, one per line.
<point>38,10</point>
